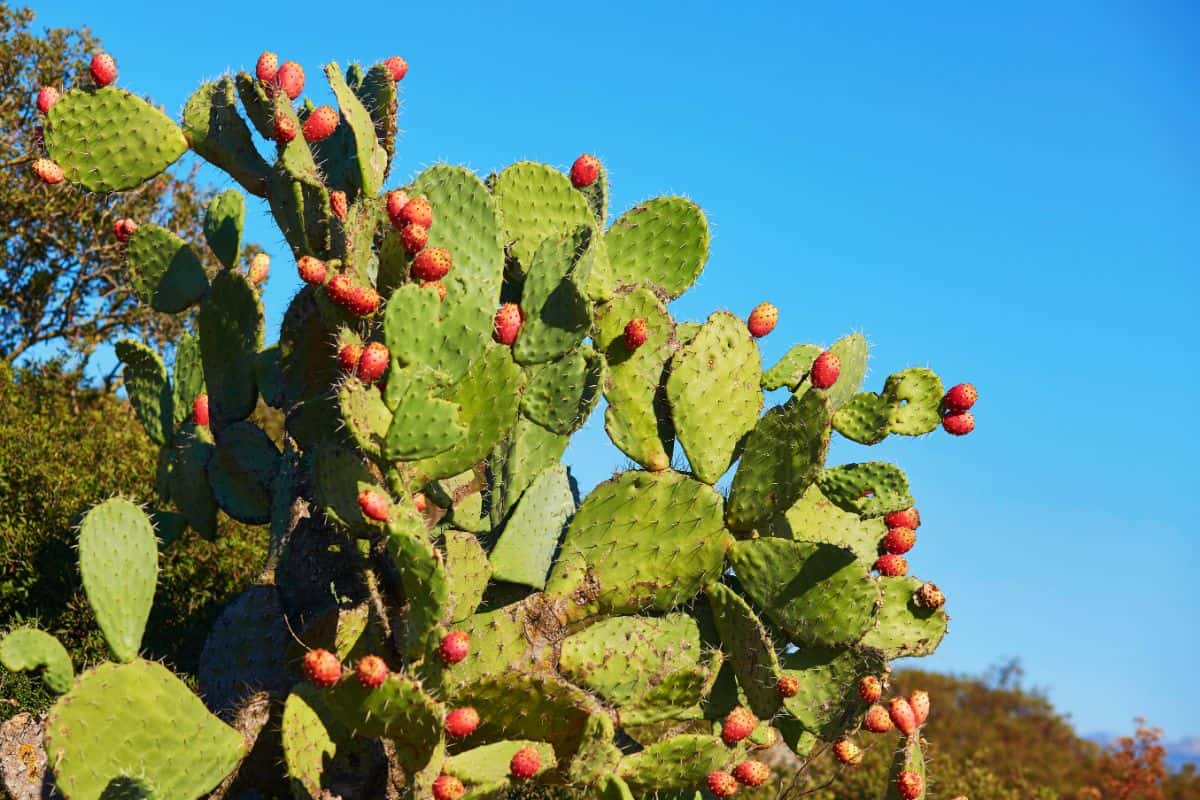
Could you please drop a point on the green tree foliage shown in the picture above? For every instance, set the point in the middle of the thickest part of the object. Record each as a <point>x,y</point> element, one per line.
<point>63,448</point>
<point>61,280</point>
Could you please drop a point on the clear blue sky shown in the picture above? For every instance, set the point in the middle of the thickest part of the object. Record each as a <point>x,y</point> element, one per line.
<point>1009,196</point>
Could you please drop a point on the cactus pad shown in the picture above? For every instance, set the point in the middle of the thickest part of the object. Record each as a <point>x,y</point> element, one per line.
<point>148,389</point>
<point>28,648</point>
<point>231,334</point>
<point>223,220</point>
<point>535,203</point>
<point>869,490</point>
<point>903,627</point>
<point>663,241</point>
<point>165,271</point>
<point>118,559</point>
<point>525,550</point>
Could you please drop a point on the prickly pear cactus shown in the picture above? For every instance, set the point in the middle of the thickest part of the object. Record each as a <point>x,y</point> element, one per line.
<point>454,600</point>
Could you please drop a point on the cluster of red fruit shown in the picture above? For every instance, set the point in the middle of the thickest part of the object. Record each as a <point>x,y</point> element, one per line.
<point>413,218</point>
<point>957,418</point>
<point>900,538</point>
<point>738,724</point>
<point>367,363</point>
<point>906,715</point>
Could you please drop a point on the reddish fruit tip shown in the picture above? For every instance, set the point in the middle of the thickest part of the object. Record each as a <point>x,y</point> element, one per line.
<point>339,204</point>
<point>847,752</point>
<point>738,724</point>
<point>267,66</point>
<point>585,170</point>
<point>285,127</point>
<point>762,320</point>
<point>312,270</point>
<point>636,333</point>
<point>825,370</point>
<point>507,323</point>
<point>322,668</point>
<point>930,596</point>
<point>454,647</point>
<point>200,409</point>
<point>902,715</point>
<point>960,397</point>
<point>721,783</point>
<point>321,124</point>
<point>877,719</point>
<point>752,773</point>
<point>371,672</point>
<point>525,763</point>
<point>891,566</point>
<point>47,171</point>
<point>123,230</point>
<point>420,502</point>
<point>260,268</point>
<point>870,689</point>
<point>414,237</point>
<point>374,505</point>
<point>908,518</point>
<point>432,264</point>
<point>909,785</point>
<point>290,78</point>
<point>373,362</point>
<point>918,700</point>
<point>448,787</point>
<point>397,67</point>
<point>103,69</point>
<point>899,541</point>
<point>959,423</point>
<point>787,686</point>
<point>462,722</point>
<point>416,211</point>
<point>348,356</point>
<point>47,96</point>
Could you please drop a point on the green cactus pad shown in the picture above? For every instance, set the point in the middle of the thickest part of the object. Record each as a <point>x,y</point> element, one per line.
<point>365,415</point>
<point>535,203</point>
<point>866,418</point>
<point>28,649</point>
<point>791,370</point>
<point>107,140</point>
<point>597,756</point>
<point>371,158</point>
<point>852,353</point>
<point>219,135</point>
<point>799,739</point>
<point>681,762</point>
<point>268,375</point>
<point>489,763</point>
<point>562,393</point>
<point>137,719</point>
<point>338,475</point>
<point>231,334</point>
<point>487,397</point>
<point>828,699</point>
<point>641,541</point>
<point>307,349</point>
<point>377,92</point>
<point>750,650</point>
<point>166,273</point>
<point>614,787</point>
<point>904,628</point>
<point>817,593</point>
<point>245,650</point>
<point>398,710</point>
<point>423,424</point>
<point>714,393</point>
<point>781,459</point>
<point>499,644</point>
<point>168,525</point>
<point>663,241</point>
<point>307,744</point>
<point>916,398</point>
<point>468,570</point>
<point>257,104</point>
<point>223,221</point>
<point>148,389</point>
<point>597,197</point>
<point>189,376</point>
<point>528,451</point>
<point>908,758</point>
<point>872,489</point>
<point>557,315</point>
<point>188,479</point>
<point>814,519</point>
<point>525,550</point>
<point>636,419</point>
<point>241,472</point>
<point>422,574</point>
<point>118,560</point>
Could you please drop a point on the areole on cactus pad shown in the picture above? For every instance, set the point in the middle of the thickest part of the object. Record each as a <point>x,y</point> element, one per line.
<point>454,599</point>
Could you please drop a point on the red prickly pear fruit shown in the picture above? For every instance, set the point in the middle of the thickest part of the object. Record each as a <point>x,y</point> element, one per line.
<point>414,237</point>
<point>322,668</point>
<point>462,722</point>
<point>364,301</point>
<point>375,505</point>
<point>636,333</point>
<point>909,785</point>
<point>870,689</point>
<point>448,787</point>
<point>585,170</point>
<point>321,124</point>
<point>908,518</point>
<point>418,211</point>
<point>374,362</point>
<point>455,646</point>
<point>508,323</point>
<point>929,596</point>
<point>787,686</point>
<point>290,78</point>
<point>340,287</point>
<point>902,715</point>
<point>260,268</point>
<point>420,502</point>
<point>721,783</point>
<point>312,270</point>
<point>285,127</point>
<point>371,672</point>
<point>200,409</point>
<point>348,357</point>
<point>877,720</point>
<point>762,320</point>
<point>338,204</point>
<point>103,69</point>
<point>48,171</point>
<point>267,66</point>
<point>438,285</point>
<point>919,702</point>
<point>892,566</point>
<point>960,397</point>
<point>825,370</point>
<point>123,229</point>
<point>397,199</point>
<point>847,752</point>
<point>525,763</point>
<point>47,96</point>
<point>959,423</point>
<point>432,264</point>
<point>738,724</point>
<point>397,67</point>
<point>899,541</point>
<point>752,773</point>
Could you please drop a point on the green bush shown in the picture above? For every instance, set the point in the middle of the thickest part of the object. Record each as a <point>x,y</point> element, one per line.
<point>63,448</point>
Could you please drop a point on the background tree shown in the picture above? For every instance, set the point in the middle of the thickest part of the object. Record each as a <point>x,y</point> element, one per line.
<point>60,279</point>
